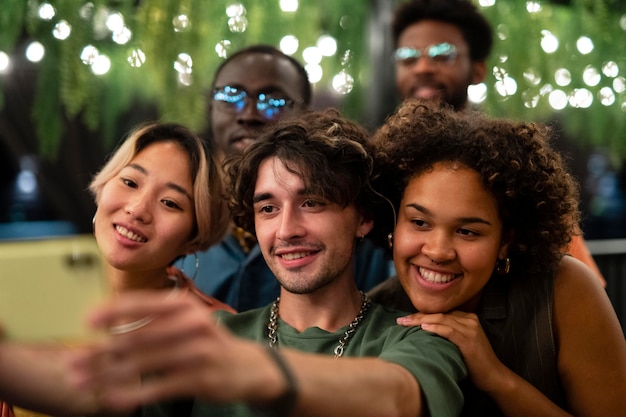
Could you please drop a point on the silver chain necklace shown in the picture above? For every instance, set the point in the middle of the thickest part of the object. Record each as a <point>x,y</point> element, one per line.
<point>343,341</point>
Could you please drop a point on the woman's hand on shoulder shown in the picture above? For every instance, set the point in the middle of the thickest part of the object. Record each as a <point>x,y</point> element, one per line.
<point>464,330</point>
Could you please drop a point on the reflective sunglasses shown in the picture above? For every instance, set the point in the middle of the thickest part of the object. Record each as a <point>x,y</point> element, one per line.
<point>234,100</point>
<point>441,53</point>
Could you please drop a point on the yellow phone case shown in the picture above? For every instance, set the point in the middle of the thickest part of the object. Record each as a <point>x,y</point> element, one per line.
<point>47,286</point>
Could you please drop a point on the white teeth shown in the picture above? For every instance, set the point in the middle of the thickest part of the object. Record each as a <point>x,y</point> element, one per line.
<point>435,277</point>
<point>130,235</point>
<point>293,256</point>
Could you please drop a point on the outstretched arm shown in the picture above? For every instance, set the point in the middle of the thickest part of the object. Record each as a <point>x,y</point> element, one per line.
<point>37,378</point>
<point>184,353</point>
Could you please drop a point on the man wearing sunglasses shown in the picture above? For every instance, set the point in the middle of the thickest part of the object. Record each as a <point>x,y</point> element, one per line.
<point>441,49</point>
<point>253,88</point>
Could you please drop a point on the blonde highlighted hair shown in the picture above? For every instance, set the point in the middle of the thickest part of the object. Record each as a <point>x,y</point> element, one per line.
<point>211,213</point>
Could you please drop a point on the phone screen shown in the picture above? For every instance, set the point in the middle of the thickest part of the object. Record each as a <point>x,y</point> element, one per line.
<point>48,285</point>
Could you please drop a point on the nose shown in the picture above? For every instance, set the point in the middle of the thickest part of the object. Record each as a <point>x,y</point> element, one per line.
<point>423,65</point>
<point>439,247</point>
<point>250,114</point>
<point>291,225</point>
<point>140,208</point>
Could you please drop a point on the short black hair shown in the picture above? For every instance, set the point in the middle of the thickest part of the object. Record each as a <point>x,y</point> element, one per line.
<point>474,27</point>
<point>305,86</point>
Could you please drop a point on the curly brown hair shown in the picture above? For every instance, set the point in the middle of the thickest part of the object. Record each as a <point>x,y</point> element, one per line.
<point>327,151</point>
<point>537,197</point>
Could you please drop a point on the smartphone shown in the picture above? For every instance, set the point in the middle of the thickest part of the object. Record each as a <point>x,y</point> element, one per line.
<point>47,287</point>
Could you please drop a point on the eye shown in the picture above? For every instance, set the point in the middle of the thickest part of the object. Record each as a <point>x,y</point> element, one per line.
<point>171,204</point>
<point>266,209</point>
<point>443,57</point>
<point>130,183</point>
<point>314,203</point>
<point>467,232</point>
<point>419,222</point>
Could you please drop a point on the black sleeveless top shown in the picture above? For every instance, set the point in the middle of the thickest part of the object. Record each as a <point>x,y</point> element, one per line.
<point>516,315</point>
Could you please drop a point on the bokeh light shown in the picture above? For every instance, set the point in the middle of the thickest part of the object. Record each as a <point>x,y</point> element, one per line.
<point>35,51</point>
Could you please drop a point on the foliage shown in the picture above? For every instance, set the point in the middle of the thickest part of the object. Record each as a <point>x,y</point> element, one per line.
<point>67,87</point>
<point>518,53</point>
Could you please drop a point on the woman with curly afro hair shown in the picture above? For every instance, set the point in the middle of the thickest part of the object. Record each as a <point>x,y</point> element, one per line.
<point>482,208</point>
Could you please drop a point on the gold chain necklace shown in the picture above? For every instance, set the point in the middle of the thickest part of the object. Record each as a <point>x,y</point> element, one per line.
<point>343,341</point>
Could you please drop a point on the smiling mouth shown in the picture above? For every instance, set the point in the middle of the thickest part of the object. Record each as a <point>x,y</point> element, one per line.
<point>130,235</point>
<point>295,255</point>
<point>427,92</point>
<point>435,277</point>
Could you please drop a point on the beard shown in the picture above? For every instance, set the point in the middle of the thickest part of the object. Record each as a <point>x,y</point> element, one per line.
<point>301,282</point>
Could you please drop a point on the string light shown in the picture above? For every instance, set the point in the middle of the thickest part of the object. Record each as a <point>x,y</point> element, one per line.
<point>586,74</point>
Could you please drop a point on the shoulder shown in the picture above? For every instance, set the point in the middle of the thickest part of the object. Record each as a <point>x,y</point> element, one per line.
<point>583,314</point>
<point>390,293</point>
<point>249,316</point>
<point>382,326</point>
<point>591,348</point>
<point>575,281</point>
<point>381,316</point>
<point>435,362</point>
<point>250,324</point>
<point>581,305</point>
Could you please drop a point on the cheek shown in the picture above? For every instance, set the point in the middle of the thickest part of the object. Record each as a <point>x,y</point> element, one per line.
<point>405,244</point>
<point>402,74</point>
<point>264,231</point>
<point>108,202</point>
<point>220,121</point>
<point>478,261</point>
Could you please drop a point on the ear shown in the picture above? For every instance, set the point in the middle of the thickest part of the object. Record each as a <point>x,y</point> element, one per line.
<point>366,226</point>
<point>507,239</point>
<point>190,248</point>
<point>479,71</point>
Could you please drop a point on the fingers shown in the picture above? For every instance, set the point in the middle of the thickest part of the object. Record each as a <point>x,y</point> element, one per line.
<point>170,351</point>
<point>456,326</point>
<point>421,318</point>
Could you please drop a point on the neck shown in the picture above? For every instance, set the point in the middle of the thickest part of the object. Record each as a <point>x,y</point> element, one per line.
<point>328,308</point>
<point>122,281</point>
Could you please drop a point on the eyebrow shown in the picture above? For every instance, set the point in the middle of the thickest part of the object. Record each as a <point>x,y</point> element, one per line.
<point>170,185</point>
<point>266,196</point>
<point>261,197</point>
<point>424,210</point>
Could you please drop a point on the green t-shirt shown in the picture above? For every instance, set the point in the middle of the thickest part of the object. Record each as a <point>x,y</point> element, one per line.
<point>434,362</point>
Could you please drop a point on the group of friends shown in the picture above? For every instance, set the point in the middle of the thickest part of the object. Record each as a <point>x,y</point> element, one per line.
<point>422,270</point>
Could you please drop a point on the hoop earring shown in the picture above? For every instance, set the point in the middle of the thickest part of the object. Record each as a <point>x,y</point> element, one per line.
<point>503,266</point>
<point>390,240</point>
<point>197,264</point>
